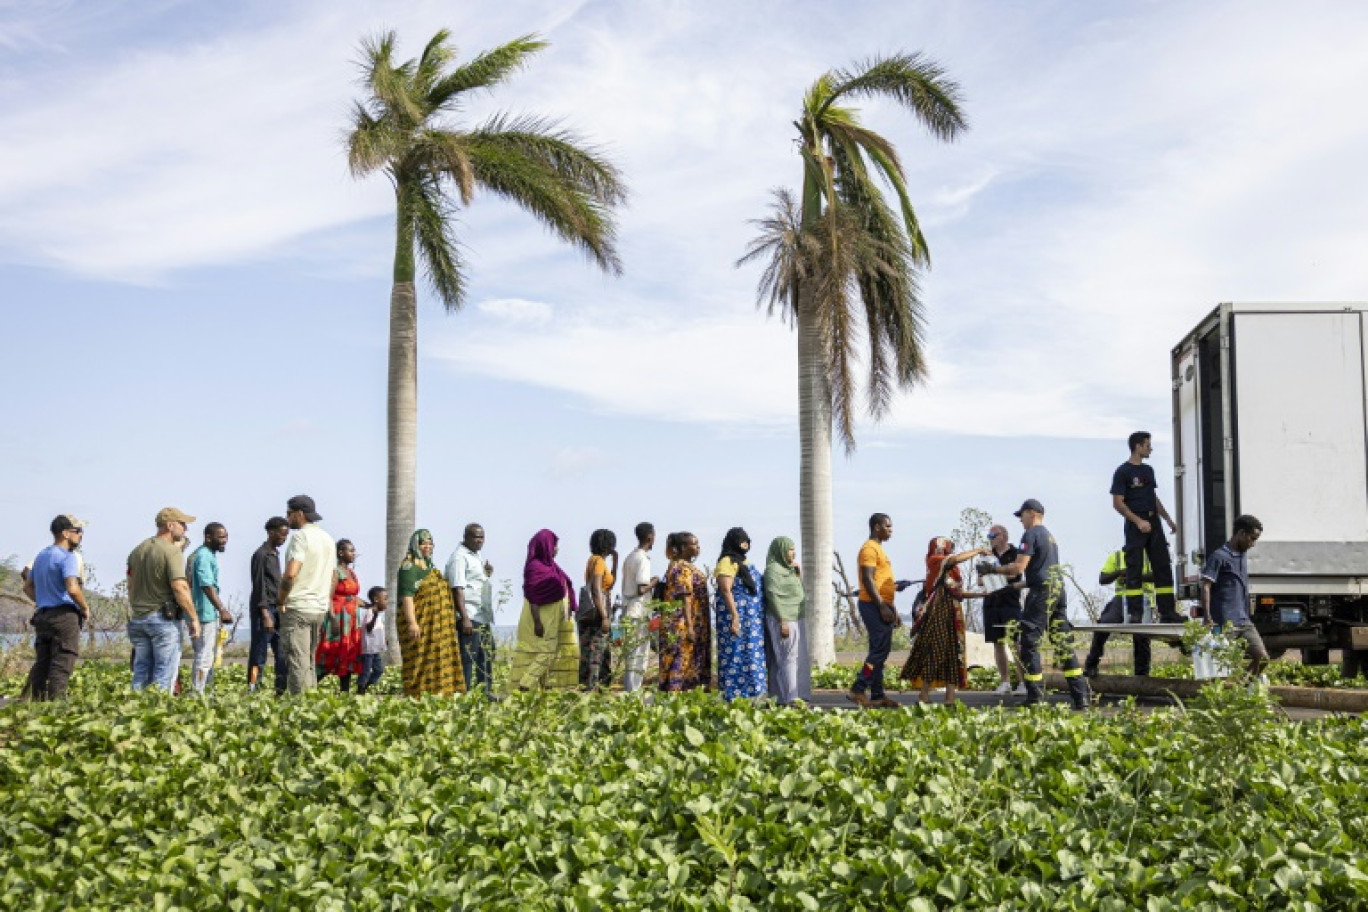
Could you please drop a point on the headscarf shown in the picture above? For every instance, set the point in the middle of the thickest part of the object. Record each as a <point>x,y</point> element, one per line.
<point>936,553</point>
<point>731,547</point>
<point>415,558</point>
<point>544,582</point>
<point>783,585</point>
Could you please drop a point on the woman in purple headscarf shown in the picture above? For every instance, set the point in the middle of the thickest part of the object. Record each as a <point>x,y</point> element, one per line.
<point>547,654</point>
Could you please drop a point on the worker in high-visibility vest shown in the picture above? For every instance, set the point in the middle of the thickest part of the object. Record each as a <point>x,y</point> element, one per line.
<point>1135,496</point>
<point>1114,572</point>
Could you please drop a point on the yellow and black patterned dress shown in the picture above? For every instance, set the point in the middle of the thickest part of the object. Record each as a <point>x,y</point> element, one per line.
<point>432,663</point>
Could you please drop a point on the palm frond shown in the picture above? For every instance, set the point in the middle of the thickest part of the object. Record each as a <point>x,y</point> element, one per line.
<point>485,71</point>
<point>506,167</point>
<point>436,55</point>
<point>371,143</point>
<point>563,152</point>
<point>443,154</point>
<point>918,84</point>
<point>433,221</point>
<point>788,253</point>
<point>390,85</point>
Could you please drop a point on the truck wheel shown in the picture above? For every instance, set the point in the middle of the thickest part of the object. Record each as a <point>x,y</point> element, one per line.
<point>1315,657</point>
<point>1354,663</point>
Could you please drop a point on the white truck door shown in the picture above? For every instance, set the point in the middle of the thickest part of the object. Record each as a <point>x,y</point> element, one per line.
<point>1189,454</point>
<point>1299,382</point>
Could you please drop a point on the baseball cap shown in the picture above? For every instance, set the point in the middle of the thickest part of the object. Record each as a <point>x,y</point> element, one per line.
<point>304,504</point>
<point>65,522</point>
<point>1031,504</point>
<point>171,514</point>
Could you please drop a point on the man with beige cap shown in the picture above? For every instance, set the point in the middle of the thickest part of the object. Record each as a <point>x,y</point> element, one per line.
<point>159,598</point>
<point>305,593</point>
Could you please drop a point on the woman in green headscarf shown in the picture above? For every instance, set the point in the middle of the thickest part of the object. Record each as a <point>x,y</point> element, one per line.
<point>427,624</point>
<point>786,646</point>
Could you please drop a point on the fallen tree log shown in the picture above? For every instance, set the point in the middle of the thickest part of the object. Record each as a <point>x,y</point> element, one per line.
<point>1323,698</point>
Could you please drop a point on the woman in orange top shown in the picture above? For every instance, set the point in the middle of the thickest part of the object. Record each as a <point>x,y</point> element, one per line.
<point>596,611</point>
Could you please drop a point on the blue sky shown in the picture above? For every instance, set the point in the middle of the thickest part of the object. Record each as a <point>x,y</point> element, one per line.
<point>194,291</point>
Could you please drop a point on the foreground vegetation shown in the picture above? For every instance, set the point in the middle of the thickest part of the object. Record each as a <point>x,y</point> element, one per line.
<point>564,801</point>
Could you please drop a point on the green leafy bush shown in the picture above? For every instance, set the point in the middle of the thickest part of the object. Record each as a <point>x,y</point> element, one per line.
<point>570,801</point>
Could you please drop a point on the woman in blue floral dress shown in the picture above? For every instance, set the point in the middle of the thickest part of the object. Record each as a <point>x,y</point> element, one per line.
<point>740,607</point>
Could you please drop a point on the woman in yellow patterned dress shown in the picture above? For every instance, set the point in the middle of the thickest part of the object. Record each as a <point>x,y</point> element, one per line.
<point>547,654</point>
<point>427,624</point>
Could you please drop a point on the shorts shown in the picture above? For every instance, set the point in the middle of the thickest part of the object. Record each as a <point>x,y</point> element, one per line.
<point>997,614</point>
<point>1254,644</point>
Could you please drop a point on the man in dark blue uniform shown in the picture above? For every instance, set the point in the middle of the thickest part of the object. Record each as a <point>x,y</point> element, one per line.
<point>1135,496</point>
<point>1046,610</point>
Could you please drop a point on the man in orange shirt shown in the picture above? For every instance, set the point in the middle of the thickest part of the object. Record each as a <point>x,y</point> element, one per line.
<point>877,588</point>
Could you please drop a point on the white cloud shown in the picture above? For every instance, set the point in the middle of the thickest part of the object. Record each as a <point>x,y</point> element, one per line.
<point>517,311</point>
<point>1127,168</point>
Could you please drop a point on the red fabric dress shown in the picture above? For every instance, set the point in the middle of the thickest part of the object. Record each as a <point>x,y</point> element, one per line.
<point>339,646</point>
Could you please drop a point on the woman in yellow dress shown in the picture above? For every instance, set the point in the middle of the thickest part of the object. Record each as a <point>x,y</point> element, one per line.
<point>547,654</point>
<point>427,624</point>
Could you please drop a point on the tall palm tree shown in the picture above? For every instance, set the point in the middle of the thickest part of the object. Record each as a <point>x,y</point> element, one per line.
<point>404,127</point>
<point>841,257</point>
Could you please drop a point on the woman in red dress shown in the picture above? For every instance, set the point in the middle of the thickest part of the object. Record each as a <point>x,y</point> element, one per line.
<point>339,647</point>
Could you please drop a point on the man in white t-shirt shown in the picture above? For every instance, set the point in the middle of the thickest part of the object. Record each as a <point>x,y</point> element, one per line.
<point>305,594</point>
<point>637,584</point>
<point>468,574</point>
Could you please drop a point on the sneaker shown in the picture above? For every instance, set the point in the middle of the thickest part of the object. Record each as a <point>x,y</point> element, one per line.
<point>886,703</point>
<point>1004,688</point>
<point>1020,689</point>
<point>859,699</point>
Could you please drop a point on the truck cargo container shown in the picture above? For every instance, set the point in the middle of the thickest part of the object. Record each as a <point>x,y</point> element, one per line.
<point>1270,417</point>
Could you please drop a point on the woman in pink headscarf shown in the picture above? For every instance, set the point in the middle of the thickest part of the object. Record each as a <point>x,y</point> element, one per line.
<point>936,658</point>
<point>547,654</point>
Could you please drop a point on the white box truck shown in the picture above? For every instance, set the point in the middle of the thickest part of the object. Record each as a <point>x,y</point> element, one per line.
<point>1270,417</point>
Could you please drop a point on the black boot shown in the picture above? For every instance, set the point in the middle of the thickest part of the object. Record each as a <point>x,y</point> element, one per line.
<point>1091,667</point>
<point>1080,694</point>
<point>1034,693</point>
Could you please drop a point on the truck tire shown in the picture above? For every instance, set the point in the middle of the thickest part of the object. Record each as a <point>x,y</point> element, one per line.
<point>1315,657</point>
<point>1353,663</point>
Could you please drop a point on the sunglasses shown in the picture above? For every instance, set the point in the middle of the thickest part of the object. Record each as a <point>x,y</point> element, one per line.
<point>992,535</point>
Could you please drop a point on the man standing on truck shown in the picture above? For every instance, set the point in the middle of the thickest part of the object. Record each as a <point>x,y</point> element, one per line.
<point>1225,591</point>
<point>1135,496</point>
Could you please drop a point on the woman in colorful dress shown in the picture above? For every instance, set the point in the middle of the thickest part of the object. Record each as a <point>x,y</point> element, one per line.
<point>547,653</point>
<point>678,625</point>
<point>427,624</point>
<point>936,658</point>
<point>740,607</point>
<point>339,645</point>
<point>786,646</point>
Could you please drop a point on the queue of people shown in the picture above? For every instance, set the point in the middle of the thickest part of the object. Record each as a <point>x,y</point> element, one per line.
<point>755,618</point>
<point>307,613</point>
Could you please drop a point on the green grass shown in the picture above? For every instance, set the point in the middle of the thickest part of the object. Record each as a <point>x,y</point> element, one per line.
<point>565,801</point>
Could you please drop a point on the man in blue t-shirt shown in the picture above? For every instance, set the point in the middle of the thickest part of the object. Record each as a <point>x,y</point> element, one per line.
<point>54,584</point>
<point>1135,496</point>
<point>202,571</point>
<point>1225,590</point>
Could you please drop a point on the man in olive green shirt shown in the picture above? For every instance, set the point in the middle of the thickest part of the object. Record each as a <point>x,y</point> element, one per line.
<point>159,597</point>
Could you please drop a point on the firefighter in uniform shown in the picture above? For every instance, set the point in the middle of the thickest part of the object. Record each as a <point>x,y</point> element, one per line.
<point>1114,571</point>
<point>1135,496</point>
<point>1046,611</point>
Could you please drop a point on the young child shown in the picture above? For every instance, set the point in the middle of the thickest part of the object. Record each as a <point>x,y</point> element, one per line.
<point>373,644</point>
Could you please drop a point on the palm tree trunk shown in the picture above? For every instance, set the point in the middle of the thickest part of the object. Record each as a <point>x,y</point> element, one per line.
<point>401,489</point>
<point>814,484</point>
